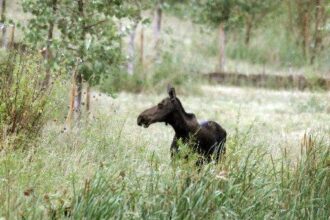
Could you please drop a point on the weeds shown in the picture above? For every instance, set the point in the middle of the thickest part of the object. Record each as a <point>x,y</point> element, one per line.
<point>23,99</point>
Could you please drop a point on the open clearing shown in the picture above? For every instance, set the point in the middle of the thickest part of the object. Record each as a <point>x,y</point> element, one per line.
<point>273,118</point>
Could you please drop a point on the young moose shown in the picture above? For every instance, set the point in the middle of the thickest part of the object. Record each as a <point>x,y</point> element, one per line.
<point>207,139</point>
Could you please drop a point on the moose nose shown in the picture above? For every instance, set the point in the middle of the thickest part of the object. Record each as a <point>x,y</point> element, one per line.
<point>140,120</point>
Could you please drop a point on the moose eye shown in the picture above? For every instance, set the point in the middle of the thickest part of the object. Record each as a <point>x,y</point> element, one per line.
<point>160,105</point>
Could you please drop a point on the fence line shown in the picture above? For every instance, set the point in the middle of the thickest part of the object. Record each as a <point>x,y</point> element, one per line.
<point>299,82</point>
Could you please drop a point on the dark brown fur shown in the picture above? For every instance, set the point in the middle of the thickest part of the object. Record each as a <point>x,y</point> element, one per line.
<point>207,139</point>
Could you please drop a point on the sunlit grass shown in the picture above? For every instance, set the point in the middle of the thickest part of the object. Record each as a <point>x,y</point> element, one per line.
<point>109,167</point>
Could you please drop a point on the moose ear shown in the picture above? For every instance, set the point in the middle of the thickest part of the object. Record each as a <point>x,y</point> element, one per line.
<point>171,91</point>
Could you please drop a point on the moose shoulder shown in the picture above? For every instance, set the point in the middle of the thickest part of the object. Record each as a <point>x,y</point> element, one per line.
<point>207,138</point>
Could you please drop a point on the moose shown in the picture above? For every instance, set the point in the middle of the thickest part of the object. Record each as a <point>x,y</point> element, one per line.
<point>207,138</point>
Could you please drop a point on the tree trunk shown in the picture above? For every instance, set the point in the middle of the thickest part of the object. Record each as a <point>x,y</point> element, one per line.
<point>131,50</point>
<point>4,37</point>
<point>12,36</point>
<point>77,100</point>
<point>319,13</point>
<point>3,11</point>
<point>48,55</point>
<point>72,96</point>
<point>3,20</point>
<point>222,47</point>
<point>305,31</point>
<point>48,52</point>
<point>79,77</point>
<point>290,22</point>
<point>142,47</point>
<point>88,97</point>
<point>157,27</point>
<point>303,19</point>
<point>248,28</point>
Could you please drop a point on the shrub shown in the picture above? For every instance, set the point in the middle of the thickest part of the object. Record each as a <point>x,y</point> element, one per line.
<point>23,98</point>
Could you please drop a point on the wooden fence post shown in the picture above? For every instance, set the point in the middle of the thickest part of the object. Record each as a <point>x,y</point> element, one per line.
<point>2,20</point>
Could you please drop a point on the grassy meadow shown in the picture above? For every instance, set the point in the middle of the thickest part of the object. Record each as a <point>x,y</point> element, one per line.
<point>104,166</point>
<point>277,163</point>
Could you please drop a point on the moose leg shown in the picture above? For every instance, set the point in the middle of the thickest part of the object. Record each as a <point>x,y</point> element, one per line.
<point>174,147</point>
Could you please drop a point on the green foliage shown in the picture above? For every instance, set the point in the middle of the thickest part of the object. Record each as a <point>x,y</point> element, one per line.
<point>23,99</point>
<point>156,78</point>
<point>88,32</point>
<point>256,9</point>
<point>213,12</point>
<point>38,25</point>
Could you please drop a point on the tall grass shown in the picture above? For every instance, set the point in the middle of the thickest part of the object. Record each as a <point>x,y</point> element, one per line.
<point>99,172</point>
<point>250,184</point>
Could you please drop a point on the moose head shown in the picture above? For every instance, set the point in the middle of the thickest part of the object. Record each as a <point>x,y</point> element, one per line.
<point>162,111</point>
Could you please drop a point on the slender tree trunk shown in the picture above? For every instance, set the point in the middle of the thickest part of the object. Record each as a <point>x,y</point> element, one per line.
<point>48,56</point>
<point>248,28</point>
<point>72,99</point>
<point>305,30</point>
<point>131,50</point>
<point>142,47</point>
<point>78,97</point>
<point>303,9</point>
<point>157,27</point>
<point>3,20</point>
<point>79,77</point>
<point>88,97</point>
<point>222,47</point>
<point>319,11</point>
<point>12,36</point>
<point>290,22</point>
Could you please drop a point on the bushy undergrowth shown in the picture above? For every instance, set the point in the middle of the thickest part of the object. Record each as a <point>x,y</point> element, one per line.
<point>23,97</point>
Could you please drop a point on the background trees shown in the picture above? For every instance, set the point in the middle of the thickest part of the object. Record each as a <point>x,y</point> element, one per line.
<point>217,13</point>
<point>251,12</point>
<point>87,39</point>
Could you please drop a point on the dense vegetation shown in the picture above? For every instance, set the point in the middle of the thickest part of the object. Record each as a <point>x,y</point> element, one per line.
<point>69,143</point>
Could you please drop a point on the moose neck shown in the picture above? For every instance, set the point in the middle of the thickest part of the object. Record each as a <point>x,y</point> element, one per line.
<point>183,124</point>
